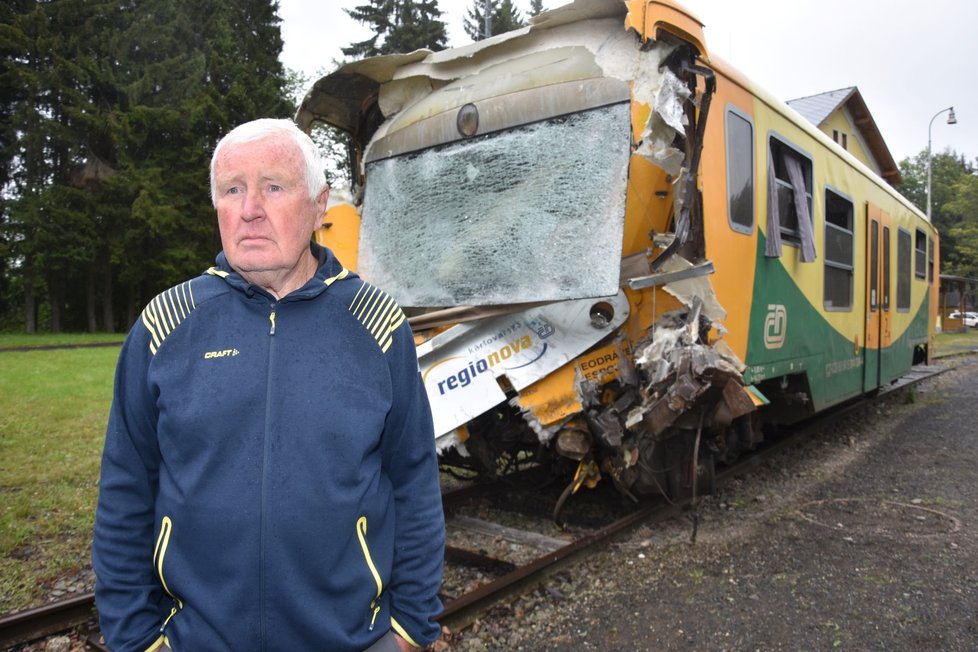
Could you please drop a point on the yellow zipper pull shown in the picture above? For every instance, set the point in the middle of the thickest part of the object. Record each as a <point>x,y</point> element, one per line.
<point>271,318</point>
<point>374,618</point>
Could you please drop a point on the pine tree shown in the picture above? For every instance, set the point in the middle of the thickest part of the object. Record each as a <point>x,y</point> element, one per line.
<point>54,122</point>
<point>111,110</point>
<point>507,18</point>
<point>430,30</point>
<point>504,18</point>
<point>378,15</point>
<point>405,25</point>
<point>196,71</point>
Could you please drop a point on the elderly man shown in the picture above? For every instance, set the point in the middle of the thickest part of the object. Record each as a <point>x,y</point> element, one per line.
<point>269,479</point>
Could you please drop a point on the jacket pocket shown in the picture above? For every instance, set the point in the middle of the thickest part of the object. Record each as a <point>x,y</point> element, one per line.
<point>362,536</point>
<point>159,555</point>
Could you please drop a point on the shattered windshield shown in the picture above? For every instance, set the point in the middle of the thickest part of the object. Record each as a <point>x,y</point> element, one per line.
<point>533,213</point>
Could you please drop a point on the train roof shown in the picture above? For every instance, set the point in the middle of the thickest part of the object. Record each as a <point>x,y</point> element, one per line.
<point>337,98</point>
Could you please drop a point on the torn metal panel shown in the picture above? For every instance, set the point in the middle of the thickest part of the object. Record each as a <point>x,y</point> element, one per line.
<point>635,266</point>
<point>338,98</point>
<point>657,87</point>
<point>736,403</point>
<point>398,93</point>
<point>460,371</point>
<point>573,83</point>
<point>692,289</point>
<point>662,278</point>
<point>549,403</point>
<point>334,99</point>
<point>684,375</point>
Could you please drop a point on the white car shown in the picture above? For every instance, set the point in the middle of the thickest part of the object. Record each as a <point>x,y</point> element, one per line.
<point>970,318</point>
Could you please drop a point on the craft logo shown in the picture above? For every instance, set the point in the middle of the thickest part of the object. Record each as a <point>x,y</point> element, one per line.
<point>226,353</point>
<point>775,326</point>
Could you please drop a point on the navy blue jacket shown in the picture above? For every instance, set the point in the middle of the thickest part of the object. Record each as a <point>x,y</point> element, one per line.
<point>269,479</point>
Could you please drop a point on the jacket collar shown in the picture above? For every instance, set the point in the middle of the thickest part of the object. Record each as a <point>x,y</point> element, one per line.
<point>327,270</point>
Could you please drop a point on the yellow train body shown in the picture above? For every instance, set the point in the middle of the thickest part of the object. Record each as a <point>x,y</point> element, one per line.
<point>667,309</point>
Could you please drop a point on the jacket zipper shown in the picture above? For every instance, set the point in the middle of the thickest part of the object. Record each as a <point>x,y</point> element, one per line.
<point>162,541</point>
<point>362,535</point>
<point>264,484</point>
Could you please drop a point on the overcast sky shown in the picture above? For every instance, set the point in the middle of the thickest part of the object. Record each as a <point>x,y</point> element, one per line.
<point>909,59</point>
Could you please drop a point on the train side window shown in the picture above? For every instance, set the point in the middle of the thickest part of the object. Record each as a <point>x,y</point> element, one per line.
<point>790,216</point>
<point>903,270</point>
<point>874,265</point>
<point>740,171</point>
<point>920,254</point>
<point>886,268</point>
<point>839,240</point>
<point>930,261</point>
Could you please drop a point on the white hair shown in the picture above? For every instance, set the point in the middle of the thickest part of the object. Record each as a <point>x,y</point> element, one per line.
<point>271,128</point>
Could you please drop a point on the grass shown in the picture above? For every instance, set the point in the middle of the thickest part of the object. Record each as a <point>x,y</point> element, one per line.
<point>17,340</point>
<point>53,410</point>
<point>950,343</point>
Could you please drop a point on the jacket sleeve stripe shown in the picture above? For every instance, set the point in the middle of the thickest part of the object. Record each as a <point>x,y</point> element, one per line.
<point>378,312</point>
<point>166,311</point>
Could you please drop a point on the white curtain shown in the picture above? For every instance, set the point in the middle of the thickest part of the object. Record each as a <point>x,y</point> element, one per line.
<point>773,247</point>
<point>797,178</point>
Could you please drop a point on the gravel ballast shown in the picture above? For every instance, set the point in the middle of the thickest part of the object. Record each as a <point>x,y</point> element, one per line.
<point>862,538</point>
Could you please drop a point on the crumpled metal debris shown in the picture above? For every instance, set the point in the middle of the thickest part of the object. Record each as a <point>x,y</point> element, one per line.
<point>683,384</point>
<point>687,376</point>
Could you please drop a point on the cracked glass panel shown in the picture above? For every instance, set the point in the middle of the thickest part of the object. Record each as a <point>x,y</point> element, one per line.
<point>533,213</point>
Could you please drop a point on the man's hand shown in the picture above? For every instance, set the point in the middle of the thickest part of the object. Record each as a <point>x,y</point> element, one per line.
<point>401,643</point>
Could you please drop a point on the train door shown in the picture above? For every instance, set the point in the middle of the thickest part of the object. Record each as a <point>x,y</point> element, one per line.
<point>878,306</point>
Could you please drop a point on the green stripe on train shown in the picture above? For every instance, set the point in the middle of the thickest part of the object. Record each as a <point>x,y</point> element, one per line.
<point>788,335</point>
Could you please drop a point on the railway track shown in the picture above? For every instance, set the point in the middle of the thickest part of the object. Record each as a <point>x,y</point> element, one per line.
<point>509,577</point>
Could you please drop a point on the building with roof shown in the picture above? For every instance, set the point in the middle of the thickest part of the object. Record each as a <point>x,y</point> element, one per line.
<point>843,115</point>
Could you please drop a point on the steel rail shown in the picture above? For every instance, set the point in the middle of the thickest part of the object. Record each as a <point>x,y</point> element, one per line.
<point>460,612</point>
<point>32,624</point>
<point>58,617</point>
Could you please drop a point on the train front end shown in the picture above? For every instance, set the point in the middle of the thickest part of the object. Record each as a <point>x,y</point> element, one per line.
<point>531,203</point>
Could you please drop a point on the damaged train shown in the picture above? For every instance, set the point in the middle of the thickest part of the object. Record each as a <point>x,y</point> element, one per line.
<point>619,255</point>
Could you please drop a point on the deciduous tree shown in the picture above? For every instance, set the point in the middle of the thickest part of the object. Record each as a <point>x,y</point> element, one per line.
<point>951,184</point>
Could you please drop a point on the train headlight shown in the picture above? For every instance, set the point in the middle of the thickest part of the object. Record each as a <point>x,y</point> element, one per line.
<point>467,120</point>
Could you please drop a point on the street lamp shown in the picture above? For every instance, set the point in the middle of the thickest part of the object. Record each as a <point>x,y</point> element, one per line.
<point>951,120</point>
